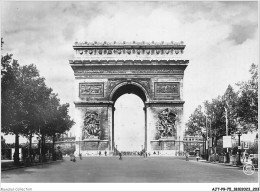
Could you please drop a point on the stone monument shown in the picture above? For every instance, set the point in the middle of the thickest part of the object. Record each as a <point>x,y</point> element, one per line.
<point>105,71</point>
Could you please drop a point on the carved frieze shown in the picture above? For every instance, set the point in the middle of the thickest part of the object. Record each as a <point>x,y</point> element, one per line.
<point>91,128</point>
<point>163,89</point>
<point>103,71</point>
<point>165,125</point>
<point>91,89</point>
<point>128,48</point>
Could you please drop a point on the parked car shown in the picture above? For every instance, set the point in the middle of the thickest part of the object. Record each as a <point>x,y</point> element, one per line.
<point>253,156</point>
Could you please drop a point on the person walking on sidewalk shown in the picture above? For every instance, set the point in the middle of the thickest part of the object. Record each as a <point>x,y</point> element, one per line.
<point>80,156</point>
<point>120,156</point>
<point>197,157</point>
<point>187,156</point>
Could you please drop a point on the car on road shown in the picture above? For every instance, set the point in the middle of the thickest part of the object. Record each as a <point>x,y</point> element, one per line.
<point>253,156</point>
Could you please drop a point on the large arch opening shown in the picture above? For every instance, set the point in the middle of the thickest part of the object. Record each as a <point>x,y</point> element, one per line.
<point>129,123</point>
<point>129,118</point>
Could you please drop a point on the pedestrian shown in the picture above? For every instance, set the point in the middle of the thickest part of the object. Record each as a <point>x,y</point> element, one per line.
<point>105,153</point>
<point>197,157</point>
<point>187,156</point>
<point>80,156</point>
<point>120,156</point>
<point>99,153</point>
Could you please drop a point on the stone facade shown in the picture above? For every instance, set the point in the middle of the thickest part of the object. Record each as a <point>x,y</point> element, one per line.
<point>153,71</point>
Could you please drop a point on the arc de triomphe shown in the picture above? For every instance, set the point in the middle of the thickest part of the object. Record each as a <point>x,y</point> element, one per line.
<point>105,71</point>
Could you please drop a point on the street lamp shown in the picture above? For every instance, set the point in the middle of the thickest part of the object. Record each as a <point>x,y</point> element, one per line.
<point>179,146</point>
<point>239,133</point>
<point>79,146</point>
<point>204,145</point>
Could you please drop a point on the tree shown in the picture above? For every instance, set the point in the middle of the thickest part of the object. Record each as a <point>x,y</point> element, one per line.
<point>58,120</point>
<point>196,122</point>
<point>36,95</point>
<point>253,149</point>
<point>215,113</point>
<point>11,103</point>
<point>230,100</point>
<point>28,105</point>
<point>248,101</point>
<point>240,108</point>
<point>24,93</point>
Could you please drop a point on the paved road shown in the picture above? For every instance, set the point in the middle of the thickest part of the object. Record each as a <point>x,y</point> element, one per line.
<point>130,169</point>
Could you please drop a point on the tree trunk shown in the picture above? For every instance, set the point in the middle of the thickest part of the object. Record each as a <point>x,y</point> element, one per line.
<point>16,152</point>
<point>53,148</point>
<point>43,148</point>
<point>30,147</point>
<point>215,148</point>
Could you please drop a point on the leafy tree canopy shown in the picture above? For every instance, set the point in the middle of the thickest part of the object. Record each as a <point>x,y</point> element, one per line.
<point>247,109</point>
<point>196,122</point>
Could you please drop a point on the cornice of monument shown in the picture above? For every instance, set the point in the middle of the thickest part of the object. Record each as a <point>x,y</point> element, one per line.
<point>125,44</point>
<point>128,51</point>
<point>99,62</point>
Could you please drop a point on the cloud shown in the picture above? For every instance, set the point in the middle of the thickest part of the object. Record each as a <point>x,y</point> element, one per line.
<point>240,33</point>
<point>221,38</point>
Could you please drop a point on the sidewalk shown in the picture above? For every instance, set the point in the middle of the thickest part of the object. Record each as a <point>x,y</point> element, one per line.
<point>9,165</point>
<point>223,164</point>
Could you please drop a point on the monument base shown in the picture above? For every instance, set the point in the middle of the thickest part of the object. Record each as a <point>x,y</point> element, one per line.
<point>166,147</point>
<point>92,147</point>
<point>164,153</point>
<point>94,153</point>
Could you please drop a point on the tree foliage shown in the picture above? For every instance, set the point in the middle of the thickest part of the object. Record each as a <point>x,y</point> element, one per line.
<point>247,110</point>
<point>196,122</point>
<point>57,119</point>
<point>28,106</point>
<point>241,108</point>
<point>253,149</point>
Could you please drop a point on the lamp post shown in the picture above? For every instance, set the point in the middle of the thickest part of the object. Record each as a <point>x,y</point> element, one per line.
<point>206,140</point>
<point>215,137</point>
<point>79,146</point>
<point>239,133</point>
<point>239,148</point>
<point>204,145</point>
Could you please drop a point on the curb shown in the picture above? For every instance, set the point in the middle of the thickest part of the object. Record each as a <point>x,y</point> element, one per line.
<point>32,165</point>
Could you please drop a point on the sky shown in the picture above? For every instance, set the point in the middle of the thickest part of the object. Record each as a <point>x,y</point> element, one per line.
<point>221,38</point>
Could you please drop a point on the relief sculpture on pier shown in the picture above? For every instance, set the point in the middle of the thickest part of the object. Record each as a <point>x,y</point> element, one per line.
<point>166,124</point>
<point>91,129</point>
